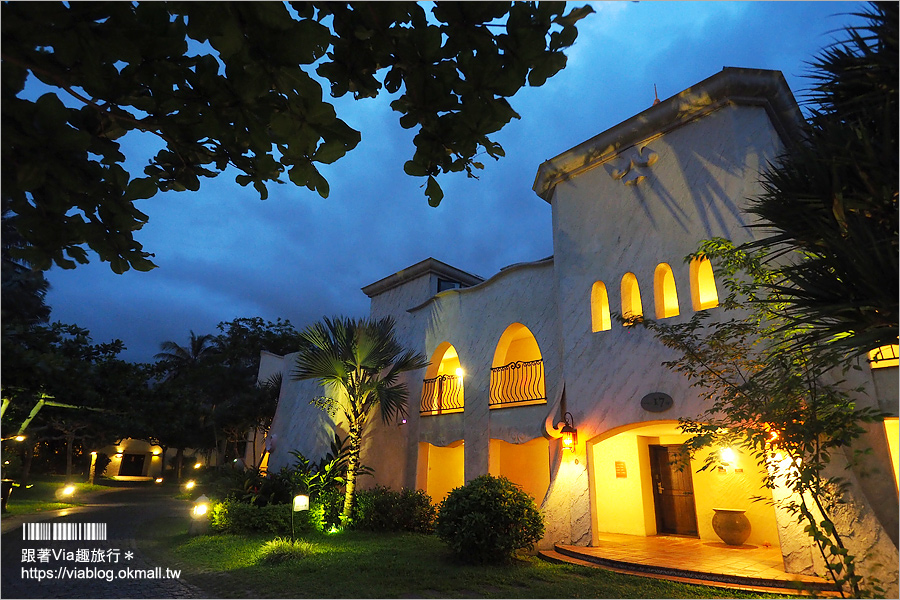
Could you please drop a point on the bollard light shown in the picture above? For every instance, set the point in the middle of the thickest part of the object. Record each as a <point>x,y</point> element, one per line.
<point>201,507</point>
<point>200,516</point>
<point>301,502</point>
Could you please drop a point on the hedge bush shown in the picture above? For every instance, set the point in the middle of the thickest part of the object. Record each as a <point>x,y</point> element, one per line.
<point>488,519</point>
<point>232,516</point>
<point>383,509</point>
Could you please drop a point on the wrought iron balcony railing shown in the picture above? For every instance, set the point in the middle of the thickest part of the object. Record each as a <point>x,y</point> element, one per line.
<point>442,394</point>
<point>518,382</point>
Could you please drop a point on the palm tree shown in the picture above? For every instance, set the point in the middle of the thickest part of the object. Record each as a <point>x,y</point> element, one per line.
<point>360,362</point>
<point>179,358</point>
<point>829,205</point>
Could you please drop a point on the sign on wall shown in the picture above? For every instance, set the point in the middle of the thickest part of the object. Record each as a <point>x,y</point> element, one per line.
<point>657,402</point>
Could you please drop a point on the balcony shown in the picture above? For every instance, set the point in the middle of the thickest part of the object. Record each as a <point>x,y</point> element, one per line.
<point>517,384</point>
<point>442,394</point>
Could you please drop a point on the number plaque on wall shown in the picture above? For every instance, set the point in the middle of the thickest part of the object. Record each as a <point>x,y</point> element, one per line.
<point>657,402</point>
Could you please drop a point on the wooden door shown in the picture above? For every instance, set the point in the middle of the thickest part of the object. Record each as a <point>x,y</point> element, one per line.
<point>673,491</point>
<point>132,465</point>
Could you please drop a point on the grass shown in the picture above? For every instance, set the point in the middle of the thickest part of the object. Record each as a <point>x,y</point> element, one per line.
<point>45,494</point>
<point>369,565</point>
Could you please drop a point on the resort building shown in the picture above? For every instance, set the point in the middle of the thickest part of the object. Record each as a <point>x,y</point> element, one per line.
<point>521,359</point>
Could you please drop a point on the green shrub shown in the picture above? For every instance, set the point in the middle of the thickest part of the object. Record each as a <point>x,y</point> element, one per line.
<point>325,510</point>
<point>382,509</point>
<point>488,519</point>
<point>232,516</point>
<point>282,550</point>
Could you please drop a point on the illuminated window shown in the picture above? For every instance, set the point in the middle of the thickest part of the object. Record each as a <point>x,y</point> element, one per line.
<point>631,297</point>
<point>703,285</point>
<point>886,356</point>
<point>599,307</point>
<point>664,294</point>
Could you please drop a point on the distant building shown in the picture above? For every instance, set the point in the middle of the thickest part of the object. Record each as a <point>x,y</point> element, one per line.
<point>512,355</point>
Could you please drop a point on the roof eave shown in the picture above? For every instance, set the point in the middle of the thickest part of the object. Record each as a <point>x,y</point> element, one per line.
<point>732,85</point>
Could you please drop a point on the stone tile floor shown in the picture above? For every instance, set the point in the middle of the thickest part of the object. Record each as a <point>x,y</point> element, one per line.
<point>685,555</point>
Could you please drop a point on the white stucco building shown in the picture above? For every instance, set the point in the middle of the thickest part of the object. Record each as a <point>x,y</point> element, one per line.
<point>511,355</point>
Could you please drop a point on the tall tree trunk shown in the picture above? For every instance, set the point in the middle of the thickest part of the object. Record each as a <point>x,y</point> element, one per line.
<point>179,463</point>
<point>70,443</point>
<point>27,458</point>
<point>352,471</point>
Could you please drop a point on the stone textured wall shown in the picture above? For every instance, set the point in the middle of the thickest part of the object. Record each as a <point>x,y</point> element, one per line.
<point>298,425</point>
<point>473,320</point>
<point>604,229</point>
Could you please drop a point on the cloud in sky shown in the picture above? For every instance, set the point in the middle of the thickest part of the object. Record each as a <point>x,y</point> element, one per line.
<point>224,254</point>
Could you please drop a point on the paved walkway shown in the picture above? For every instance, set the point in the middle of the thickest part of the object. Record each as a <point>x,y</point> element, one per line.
<point>73,569</point>
<point>692,560</point>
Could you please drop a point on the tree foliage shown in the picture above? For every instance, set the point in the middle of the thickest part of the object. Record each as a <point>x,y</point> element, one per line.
<point>359,362</point>
<point>208,394</point>
<point>239,85</point>
<point>829,206</point>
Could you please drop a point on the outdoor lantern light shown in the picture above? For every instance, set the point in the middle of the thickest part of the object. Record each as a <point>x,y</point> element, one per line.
<point>301,502</point>
<point>201,507</point>
<point>64,492</point>
<point>569,433</point>
<point>199,518</point>
<point>727,455</point>
<point>190,484</point>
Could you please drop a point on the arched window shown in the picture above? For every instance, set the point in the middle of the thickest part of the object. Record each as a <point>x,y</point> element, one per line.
<point>703,285</point>
<point>885,356</point>
<point>517,371</point>
<point>599,307</point>
<point>631,297</point>
<point>442,390</point>
<point>665,295</point>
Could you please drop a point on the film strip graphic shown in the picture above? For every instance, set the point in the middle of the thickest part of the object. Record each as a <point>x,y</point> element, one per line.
<point>63,532</point>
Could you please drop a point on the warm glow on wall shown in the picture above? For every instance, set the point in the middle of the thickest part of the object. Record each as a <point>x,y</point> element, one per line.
<point>892,431</point>
<point>703,285</point>
<point>664,293</point>
<point>600,320</point>
<point>631,297</point>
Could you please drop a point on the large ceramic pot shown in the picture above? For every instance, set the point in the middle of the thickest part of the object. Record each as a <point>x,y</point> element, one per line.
<point>732,525</point>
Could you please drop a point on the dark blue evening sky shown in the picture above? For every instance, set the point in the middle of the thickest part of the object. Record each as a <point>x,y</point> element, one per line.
<point>223,253</point>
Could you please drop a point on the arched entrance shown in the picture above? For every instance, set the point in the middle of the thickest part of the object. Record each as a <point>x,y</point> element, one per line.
<point>641,484</point>
<point>440,469</point>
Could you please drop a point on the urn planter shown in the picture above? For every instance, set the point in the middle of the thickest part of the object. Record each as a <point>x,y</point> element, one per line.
<point>732,525</point>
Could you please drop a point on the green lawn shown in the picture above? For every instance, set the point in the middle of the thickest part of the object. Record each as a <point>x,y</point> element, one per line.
<point>369,565</point>
<point>46,494</point>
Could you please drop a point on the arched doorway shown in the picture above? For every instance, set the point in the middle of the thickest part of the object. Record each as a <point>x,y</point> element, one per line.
<point>628,466</point>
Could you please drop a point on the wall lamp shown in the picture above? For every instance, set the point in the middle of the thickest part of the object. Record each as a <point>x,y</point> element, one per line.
<point>569,433</point>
